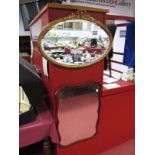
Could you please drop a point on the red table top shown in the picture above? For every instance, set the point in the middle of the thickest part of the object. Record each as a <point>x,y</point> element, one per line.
<point>124,86</point>
<point>42,127</point>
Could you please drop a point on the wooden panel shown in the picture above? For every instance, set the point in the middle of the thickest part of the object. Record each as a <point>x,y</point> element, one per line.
<point>67,7</point>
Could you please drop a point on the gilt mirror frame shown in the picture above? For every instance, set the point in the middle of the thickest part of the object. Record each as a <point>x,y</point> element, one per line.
<point>80,14</point>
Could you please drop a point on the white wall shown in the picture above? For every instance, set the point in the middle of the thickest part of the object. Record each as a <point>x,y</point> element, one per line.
<point>22,32</point>
<point>119,42</point>
<point>126,9</point>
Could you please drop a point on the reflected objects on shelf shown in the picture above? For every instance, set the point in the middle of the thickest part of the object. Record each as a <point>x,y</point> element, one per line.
<point>74,42</point>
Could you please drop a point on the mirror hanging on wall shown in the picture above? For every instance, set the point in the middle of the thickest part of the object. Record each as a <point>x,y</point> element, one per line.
<point>75,42</point>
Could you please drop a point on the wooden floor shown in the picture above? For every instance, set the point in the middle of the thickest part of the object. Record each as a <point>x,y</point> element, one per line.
<point>126,148</point>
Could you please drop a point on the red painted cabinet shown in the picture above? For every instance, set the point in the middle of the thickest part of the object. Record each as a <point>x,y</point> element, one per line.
<point>112,110</point>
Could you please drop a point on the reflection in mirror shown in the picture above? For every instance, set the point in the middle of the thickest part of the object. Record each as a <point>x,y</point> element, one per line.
<point>75,42</point>
<point>77,113</point>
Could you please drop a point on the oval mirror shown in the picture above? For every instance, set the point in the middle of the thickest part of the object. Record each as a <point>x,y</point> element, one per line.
<point>75,42</point>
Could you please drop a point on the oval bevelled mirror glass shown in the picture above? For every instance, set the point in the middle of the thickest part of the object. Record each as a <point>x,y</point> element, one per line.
<point>75,43</point>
